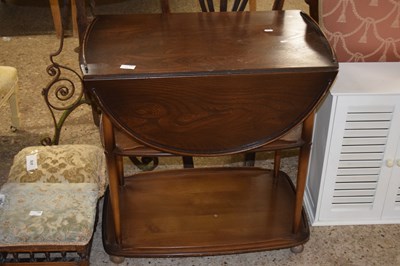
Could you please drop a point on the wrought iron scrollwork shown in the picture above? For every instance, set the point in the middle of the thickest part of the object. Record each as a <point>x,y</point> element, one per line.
<point>145,163</point>
<point>63,94</point>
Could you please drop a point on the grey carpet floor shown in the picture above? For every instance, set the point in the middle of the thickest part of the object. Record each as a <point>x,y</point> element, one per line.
<point>25,17</point>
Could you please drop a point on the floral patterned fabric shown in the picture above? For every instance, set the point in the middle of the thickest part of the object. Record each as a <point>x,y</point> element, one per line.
<point>68,213</point>
<point>61,164</point>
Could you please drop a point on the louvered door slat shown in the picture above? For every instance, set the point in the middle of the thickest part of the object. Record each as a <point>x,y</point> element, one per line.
<point>362,149</point>
<point>358,171</point>
<point>353,200</point>
<point>361,156</point>
<point>354,193</point>
<point>368,125</point>
<point>357,178</point>
<point>366,130</point>
<point>367,109</point>
<point>356,185</point>
<point>365,141</point>
<point>359,164</point>
<point>366,133</point>
<point>365,116</point>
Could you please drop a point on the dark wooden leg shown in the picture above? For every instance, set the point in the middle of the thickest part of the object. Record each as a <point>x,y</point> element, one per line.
<point>56,13</point>
<point>277,163</point>
<point>302,170</point>
<point>249,159</point>
<point>74,19</point>
<point>82,19</point>
<point>95,114</point>
<point>113,173</point>
<point>278,5</point>
<point>188,162</point>
<point>120,169</point>
<point>313,4</point>
<point>165,6</point>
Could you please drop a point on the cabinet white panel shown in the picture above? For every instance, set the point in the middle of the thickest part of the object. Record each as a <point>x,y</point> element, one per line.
<point>354,171</point>
<point>392,203</point>
<point>357,178</point>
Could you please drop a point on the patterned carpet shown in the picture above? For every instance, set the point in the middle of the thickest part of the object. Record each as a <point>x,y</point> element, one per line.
<point>25,17</point>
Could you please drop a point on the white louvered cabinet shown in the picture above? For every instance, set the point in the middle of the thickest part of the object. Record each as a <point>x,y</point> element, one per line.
<point>354,171</point>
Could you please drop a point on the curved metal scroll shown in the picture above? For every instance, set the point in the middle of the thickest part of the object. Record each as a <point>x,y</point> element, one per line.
<point>63,94</point>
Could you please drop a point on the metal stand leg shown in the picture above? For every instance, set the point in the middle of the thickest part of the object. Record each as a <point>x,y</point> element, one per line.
<point>62,95</point>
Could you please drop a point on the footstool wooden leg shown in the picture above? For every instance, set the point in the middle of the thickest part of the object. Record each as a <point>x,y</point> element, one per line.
<point>297,249</point>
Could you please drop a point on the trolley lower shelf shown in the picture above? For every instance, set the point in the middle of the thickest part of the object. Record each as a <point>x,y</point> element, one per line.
<point>207,211</point>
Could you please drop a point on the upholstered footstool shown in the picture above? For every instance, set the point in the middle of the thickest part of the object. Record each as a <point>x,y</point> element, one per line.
<point>48,214</point>
<point>8,92</point>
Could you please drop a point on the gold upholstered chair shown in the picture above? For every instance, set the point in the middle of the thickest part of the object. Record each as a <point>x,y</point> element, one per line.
<point>8,93</point>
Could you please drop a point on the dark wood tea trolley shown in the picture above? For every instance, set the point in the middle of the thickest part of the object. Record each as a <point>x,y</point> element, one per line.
<point>205,84</point>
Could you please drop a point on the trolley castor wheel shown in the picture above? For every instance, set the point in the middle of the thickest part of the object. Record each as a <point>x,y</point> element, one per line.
<point>116,259</point>
<point>297,249</point>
